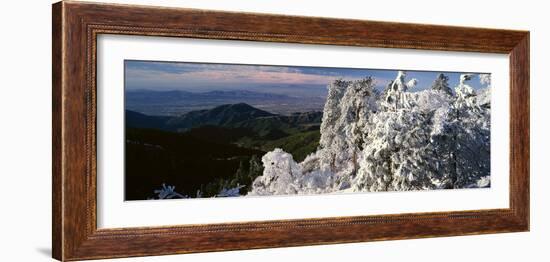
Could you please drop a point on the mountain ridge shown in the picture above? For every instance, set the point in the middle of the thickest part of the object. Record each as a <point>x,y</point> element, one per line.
<point>224,115</point>
<point>239,115</point>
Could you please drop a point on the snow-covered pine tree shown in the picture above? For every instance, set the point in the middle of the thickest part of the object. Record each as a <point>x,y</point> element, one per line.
<point>466,94</point>
<point>385,92</point>
<point>346,112</point>
<point>330,136</point>
<point>396,155</point>
<point>472,136</point>
<point>484,95</point>
<point>441,83</point>
<point>396,97</point>
<point>462,140</point>
<point>355,107</point>
<point>485,79</point>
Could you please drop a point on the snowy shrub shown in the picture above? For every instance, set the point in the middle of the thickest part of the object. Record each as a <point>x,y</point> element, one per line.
<point>167,192</point>
<point>230,192</point>
<point>279,176</point>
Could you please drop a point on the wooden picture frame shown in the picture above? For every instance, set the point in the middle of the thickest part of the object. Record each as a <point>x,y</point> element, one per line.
<point>76,26</point>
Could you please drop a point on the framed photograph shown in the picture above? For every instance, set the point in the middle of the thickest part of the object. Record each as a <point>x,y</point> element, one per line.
<point>182,130</point>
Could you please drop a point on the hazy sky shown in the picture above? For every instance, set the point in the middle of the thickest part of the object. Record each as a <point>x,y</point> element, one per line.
<point>289,80</point>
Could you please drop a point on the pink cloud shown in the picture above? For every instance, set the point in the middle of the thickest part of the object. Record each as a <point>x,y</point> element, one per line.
<point>258,76</point>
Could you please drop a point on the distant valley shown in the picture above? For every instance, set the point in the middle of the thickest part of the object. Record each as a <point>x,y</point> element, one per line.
<point>176,102</point>
<point>224,144</point>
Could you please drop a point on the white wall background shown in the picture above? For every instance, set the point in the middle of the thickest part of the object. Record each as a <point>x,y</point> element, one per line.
<point>25,113</point>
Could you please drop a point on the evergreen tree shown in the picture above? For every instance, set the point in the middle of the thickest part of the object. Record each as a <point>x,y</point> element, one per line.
<point>441,83</point>
<point>331,114</point>
<point>398,140</point>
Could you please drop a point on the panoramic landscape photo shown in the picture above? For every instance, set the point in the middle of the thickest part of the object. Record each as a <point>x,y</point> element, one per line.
<point>202,130</point>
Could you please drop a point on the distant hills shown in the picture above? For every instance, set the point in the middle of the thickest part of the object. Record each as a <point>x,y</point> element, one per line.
<point>224,115</point>
<point>240,115</point>
<point>153,96</point>
<point>139,120</point>
<point>175,102</point>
